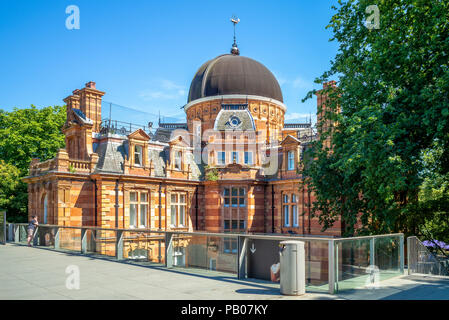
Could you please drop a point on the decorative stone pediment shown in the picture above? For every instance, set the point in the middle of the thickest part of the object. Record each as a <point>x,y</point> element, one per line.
<point>139,134</point>
<point>290,140</point>
<point>179,142</point>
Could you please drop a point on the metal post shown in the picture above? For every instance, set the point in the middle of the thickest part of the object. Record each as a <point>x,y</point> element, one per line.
<point>5,235</point>
<point>83,241</point>
<point>57,247</point>
<point>169,250</point>
<point>409,258</point>
<point>372,249</point>
<point>36,237</point>
<point>401,254</point>
<point>16,233</point>
<point>331,267</point>
<point>241,262</point>
<point>119,245</point>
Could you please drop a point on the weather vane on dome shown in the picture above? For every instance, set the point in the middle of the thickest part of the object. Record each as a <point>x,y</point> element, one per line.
<point>235,49</point>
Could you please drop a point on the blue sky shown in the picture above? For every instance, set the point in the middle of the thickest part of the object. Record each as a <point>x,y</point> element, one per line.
<point>144,54</point>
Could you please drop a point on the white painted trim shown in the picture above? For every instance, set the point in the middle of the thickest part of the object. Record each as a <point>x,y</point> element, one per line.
<point>235,96</point>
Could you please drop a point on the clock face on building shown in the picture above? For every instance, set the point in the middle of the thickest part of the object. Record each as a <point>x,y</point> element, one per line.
<point>234,121</point>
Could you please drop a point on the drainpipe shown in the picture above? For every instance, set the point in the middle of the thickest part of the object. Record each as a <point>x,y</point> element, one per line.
<point>272,208</point>
<point>308,195</point>
<point>196,208</point>
<point>116,203</point>
<point>160,206</point>
<point>95,201</point>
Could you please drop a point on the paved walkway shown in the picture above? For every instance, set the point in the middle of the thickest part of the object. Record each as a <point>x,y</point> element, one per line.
<point>37,273</point>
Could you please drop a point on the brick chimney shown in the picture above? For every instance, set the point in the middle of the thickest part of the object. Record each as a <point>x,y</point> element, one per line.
<point>90,84</point>
<point>90,104</point>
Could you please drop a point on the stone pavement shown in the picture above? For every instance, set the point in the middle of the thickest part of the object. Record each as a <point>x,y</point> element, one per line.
<point>38,273</point>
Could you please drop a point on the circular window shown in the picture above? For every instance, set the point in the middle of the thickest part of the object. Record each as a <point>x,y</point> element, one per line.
<point>234,121</point>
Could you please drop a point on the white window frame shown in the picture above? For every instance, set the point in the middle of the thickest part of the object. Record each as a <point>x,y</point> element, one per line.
<point>221,157</point>
<point>139,207</point>
<point>138,155</point>
<point>248,157</point>
<point>291,160</point>
<point>176,208</point>
<point>178,160</point>
<point>286,210</point>
<point>294,205</point>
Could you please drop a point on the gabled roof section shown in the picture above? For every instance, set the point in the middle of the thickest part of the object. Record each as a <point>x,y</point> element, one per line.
<point>179,141</point>
<point>290,139</point>
<point>139,134</point>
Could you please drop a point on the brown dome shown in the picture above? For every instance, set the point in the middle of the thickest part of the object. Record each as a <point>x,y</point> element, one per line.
<point>234,74</point>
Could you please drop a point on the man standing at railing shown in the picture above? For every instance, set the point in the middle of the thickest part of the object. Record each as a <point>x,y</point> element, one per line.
<point>31,227</point>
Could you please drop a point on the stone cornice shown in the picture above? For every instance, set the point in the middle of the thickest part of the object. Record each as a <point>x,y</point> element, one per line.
<point>235,96</point>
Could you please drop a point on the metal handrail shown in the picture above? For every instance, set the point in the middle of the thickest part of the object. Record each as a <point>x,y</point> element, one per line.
<point>168,236</point>
<point>224,235</point>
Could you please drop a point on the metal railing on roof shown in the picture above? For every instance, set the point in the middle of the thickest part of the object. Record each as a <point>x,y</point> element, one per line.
<point>297,125</point>
<point>121,127</point>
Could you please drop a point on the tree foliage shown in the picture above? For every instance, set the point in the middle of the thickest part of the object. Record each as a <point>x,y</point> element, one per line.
<point>393,91</point>
<point>25,134</point>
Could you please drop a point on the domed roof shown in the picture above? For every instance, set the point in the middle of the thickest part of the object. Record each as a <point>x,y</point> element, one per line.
<point>234,74</point>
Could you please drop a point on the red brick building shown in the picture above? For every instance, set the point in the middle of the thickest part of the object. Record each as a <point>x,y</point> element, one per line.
<point>232,167</point>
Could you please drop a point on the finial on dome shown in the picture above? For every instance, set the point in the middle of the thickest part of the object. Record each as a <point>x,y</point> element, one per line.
<point>235,50</point>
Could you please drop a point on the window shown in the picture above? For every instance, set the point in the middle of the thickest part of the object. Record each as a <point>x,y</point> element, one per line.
<point>286,212</point>
<point>178,160</point>
<point>294,211</point>
<point>235,157</point>
<point>234,225</point>
<point>290,207</point>
<point>138,209</point>
<point>291,160</point>
<point>138,155</point>
<point>221,157</point>
<point>234,197</point>
<point>248,157</point>
<point>143,210</point>
<point>229,245</point>
<point>178,207</point>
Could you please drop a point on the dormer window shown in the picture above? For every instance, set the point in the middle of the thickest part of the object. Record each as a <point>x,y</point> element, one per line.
<point>291,160</point>
<point>178,160</point>
<point>138,155</point>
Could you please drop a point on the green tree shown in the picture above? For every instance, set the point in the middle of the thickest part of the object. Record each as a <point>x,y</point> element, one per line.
<point>25,134</point>
<point>393,91</point>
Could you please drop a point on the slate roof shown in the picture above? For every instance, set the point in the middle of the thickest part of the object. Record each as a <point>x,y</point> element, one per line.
<point>163,134</point>
<point>159,159</point>
<point>111,156</point>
